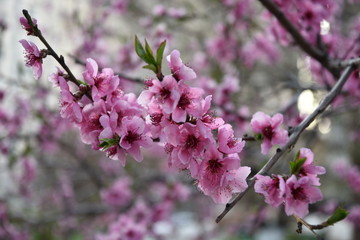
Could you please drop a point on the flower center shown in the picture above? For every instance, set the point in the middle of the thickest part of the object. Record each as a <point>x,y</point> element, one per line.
<point>31,59</point>
<point>191,141</point>
<point>299,194</point>
<point>165,93</point>
<point>94,121</point>
<point>132,137</point>
<point>156,118</point>
<point>268,132</point>
<point>232,142</point>
<point>214,166</point>
<point>184,101</point>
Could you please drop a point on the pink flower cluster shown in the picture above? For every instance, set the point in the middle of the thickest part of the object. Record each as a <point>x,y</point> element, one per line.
<point>119,194</point>
<point>140,220</point>
<point>350,173</point>
<point>297,191</point>
<point>311,14</point>
<point>32,54</point>
<point>113,121</point>
<point>179,116</point>
<point>269,130</point>
<point>354,215</point>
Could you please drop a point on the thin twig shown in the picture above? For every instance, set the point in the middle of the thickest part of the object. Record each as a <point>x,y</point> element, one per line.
<point>308,226</point>
<point>314,52</point>
<point>60,59</point>
<point>294,136</point>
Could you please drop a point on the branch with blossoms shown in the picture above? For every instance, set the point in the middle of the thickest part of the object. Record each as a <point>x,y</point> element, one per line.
<point>178,117</point>
<point>294,136</point>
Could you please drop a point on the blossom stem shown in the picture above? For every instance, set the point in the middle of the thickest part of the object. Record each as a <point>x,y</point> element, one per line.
<point>294,136</point>
<point>309,226</point>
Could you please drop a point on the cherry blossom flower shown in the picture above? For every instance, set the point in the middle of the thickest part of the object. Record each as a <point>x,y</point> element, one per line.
<point>221,177</point>
<point>269,128</point>
<point>298,194</point>
<point>33,57</point>
<point>133,136</point>
<point>189,103</point>
<point>308,168</point>
<point>227,142</point>
<point>272,188</point>
<point>119,194</point>
<point>24,23</point>
<point>166,93</point>
<point>207,117</point>
<point>179,70</point>
<point>102,83</point>
<point>189,147</point>
<point>350,173</point>
<point>90,127</point>
<point>69,107</point>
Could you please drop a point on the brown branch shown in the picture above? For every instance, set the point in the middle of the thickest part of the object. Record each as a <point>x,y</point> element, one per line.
<point>60,59</point>
<point>294,136</point>
<point>312,51</point>
<point>301,222</point>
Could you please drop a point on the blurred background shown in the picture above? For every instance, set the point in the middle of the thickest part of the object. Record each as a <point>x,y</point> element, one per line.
<point>53,186</point>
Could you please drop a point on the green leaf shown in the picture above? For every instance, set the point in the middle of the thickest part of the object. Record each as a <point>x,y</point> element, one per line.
<point>109,142</point>
<point>296,165</point>
<point>139,49</point>
<point>83,83</point>
<point>338,215</point>
<point>159,54</point>
<point>259,137</point>
<point>149,54</point>
<point>151,67</point>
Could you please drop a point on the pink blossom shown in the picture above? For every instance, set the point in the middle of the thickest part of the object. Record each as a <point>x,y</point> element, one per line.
<point>207,117</point>
<point>227,142</point>
<point>354,216</point>
<point>24,23</point>
<point>350,173</point>
<point>90,127</point>
<point>233,181</point>
<point>298,194</point>
<point>102,83</point>
<point>220,177</point>
<point>308,168</point>
<point>33,57</point>
<point>270,129</point>
<point>159,10</point>
<point>121,5</point>
<point>176,12</point>
<point>179,70</point>
<point>189,147</point>
<point>119,194</point>
<point>69,107</point>
<point>125,228</point>
<point>54,77</point>
<point>133,136</point>
<point>272,188</point>
<point>166,93</point>
<point>189,103</point>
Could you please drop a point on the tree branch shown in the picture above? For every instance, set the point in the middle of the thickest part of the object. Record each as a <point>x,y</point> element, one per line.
<point>60,59</point>
<point>312,51</point>
<point>294,136</point>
